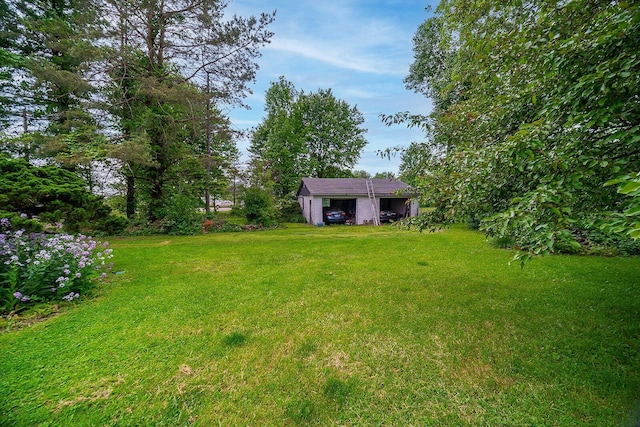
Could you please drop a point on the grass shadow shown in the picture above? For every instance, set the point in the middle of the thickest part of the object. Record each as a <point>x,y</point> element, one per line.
<point>235,339</point>
<point>339,391</point>
<point>301,410</point>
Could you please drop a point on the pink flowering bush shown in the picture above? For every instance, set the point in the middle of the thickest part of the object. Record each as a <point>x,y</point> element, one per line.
<point>36,267</point>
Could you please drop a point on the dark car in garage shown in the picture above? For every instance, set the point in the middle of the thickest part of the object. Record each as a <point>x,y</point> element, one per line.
<point>335,216</point>
<point>388,216</point>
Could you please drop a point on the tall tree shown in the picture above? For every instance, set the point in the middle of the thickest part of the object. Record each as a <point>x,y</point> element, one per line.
<point>10,62</point>
<point>333,134</point>
<point>315,135</point>
<point>165,48</point>
<point>535,109</point>
<point>51,51</point>
<point>218,155</point>
<point>59,45</point>
<point>277,144</point>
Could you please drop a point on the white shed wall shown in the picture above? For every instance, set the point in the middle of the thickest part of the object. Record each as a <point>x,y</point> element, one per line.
<point>304,202</point>
<point>415,207</point>
<point>363,210</point>
<point>311,208</point>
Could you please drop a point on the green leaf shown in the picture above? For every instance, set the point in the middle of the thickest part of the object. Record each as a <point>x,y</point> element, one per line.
<point>633,211</point>
<point>571,107</point>
<point>616,181</point>
<point>629,187</point>
<point>575,245</point>
<point>524,260</point>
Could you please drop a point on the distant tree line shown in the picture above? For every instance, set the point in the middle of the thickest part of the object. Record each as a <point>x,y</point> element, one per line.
<point>136,89</point>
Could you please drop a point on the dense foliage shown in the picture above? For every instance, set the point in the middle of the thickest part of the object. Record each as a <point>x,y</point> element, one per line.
<point>51,49</point>
<point>173,63</point>
<point>130,89</point>
<point>258,207</point>
<point>304,135</point>
<point>536,107</point>
<point>32,196</point>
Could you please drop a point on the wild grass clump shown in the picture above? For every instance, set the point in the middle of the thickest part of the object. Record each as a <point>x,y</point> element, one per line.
<point>235,339</point>
<point>220,225</point>
<point>36,267</point>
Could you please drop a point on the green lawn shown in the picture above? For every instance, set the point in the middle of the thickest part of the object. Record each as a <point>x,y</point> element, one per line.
<point>334,326</point>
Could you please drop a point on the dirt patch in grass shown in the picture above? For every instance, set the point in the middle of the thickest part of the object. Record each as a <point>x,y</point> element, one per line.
<point>16,321</point>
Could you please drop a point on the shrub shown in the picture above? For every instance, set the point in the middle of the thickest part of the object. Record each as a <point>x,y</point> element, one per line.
<point>37,268</point>
<point>289,210</point>
<point>113,225</point>
<point>594,240</point>
<point>473,222</point>
<point>48,193</point>
<point>258,207</point>
<point>504,242</point>
<point>214,225</point>
<point>22,221</point>
<point>180,215</point>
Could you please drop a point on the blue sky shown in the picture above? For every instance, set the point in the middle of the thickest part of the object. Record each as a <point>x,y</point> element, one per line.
<point>360,49</point>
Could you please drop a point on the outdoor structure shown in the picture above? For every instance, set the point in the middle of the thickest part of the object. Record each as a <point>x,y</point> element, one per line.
<point>361,199</point>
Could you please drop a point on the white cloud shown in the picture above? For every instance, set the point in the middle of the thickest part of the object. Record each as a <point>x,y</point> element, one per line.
<point>346,35</point>
<point>336,55</point>
<point>361,49</point>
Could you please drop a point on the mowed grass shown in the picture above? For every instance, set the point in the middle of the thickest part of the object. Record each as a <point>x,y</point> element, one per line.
<point>352,326</point>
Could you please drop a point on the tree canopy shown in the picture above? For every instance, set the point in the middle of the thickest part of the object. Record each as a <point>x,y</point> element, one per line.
<point>174,60</point>
<point>305,135</point>
<point>50,48</point>
<point>139,85</point>
<point>535,109</point>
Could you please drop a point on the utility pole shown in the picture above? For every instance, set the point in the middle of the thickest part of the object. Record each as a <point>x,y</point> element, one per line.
<point>207,195</point>
<point>234,187</point>
<point>25,130</point>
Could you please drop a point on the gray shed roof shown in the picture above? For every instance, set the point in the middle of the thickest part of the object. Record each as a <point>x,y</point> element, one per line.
<point>350,187</point>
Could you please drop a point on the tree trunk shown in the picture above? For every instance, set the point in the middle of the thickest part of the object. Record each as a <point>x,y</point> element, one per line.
<point>156,192</point>
<point>131,196</point>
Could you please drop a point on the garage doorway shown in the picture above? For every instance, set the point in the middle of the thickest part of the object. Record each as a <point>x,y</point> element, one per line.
<point>347,205</point>
<point>399,205</point>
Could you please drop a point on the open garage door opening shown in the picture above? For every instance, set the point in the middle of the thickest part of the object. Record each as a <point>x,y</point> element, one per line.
<point>399,206</point>
<point>348,206</point>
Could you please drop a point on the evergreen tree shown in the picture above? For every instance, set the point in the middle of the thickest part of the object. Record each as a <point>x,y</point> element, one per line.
<point>164,51</point>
